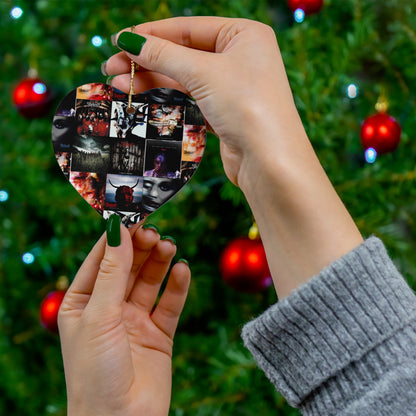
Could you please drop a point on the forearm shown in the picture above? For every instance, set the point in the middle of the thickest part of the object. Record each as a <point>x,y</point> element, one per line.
<point>303,223</point>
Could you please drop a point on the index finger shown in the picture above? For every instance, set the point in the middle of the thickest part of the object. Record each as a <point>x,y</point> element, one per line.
<point>197,32</point>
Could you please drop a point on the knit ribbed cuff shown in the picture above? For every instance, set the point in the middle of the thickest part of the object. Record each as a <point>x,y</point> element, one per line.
<point>331,329</point>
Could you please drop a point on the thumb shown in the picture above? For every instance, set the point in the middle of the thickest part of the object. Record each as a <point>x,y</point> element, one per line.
<point>110,286</point>
<point>185,65</point>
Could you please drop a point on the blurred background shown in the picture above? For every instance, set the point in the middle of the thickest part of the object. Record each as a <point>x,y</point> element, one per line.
<point>343,58</point>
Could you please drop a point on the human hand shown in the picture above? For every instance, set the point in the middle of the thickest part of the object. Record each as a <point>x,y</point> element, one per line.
<point>117,350</point>
<point>234,70</point>
<point>231,67</point>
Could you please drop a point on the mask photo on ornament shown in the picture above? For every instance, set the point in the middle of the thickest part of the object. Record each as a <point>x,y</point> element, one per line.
<point>124,124</point>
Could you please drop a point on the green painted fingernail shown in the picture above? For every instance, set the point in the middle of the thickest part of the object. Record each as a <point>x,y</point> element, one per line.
<point>150,227</point>
<point>113,231</point>
<point>169,238</point>
<point>184,261</point>
<point>131,42</point>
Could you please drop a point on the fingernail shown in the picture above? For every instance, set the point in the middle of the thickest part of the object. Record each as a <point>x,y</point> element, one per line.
<point>109,80</point>
<point>114,39</point>
<point>184,261</point>
<point>150,227</point>
<point>104,69</point>
<point>113,231</point>
<point>131,42</point>
<point>169,238</point>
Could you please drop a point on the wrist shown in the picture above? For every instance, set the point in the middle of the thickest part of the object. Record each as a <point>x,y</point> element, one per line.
<point>274,150</point>
<point>303,223</point>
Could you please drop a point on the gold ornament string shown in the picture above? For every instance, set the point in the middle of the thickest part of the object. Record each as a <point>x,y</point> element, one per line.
<point>130,108</point>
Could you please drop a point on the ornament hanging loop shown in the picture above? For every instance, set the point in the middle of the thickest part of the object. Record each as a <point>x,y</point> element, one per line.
<point>382,104</point>
<point>62,283</point>
<point>253,232</point>
<point>130,108</point>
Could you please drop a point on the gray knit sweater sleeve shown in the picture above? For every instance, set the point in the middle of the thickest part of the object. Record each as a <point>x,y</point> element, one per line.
<point>345,342</point>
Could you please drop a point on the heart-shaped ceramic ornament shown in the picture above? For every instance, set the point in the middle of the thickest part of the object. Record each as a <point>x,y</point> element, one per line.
<point>123,159</point>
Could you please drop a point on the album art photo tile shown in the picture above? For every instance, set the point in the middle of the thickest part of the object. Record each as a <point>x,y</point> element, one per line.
<point>127,162</point>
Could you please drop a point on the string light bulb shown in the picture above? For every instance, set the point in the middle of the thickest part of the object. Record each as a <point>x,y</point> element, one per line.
<point>16,13</point>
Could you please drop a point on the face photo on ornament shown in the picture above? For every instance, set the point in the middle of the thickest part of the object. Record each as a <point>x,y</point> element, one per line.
<point>64,124</point>
<point>93,117</point>
<point>125,123</point>
<point>63,130</point>
<point>163,159</point>
<point>156,191</point>
<point>165,121</point>
<point>193,143</point>
<point>123,193</point>
<point>90,186</point>
<point>127,157</point>
<point>90,154</point>
<point>94,91</point>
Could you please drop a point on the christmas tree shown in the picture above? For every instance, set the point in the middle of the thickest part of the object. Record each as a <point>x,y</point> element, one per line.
<point>341,61</point>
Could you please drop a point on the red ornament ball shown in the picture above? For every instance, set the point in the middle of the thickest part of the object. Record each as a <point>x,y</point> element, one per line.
<point>49,309</point>
<point>32,98</point>
<point>381,132</point>
<point>244,266</point>
<point>308,6</point>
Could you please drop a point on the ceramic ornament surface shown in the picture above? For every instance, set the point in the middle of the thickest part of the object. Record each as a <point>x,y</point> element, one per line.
<point>127,162</point>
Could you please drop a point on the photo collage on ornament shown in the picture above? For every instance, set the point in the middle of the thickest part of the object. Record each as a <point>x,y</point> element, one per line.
<point>127,162</point>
